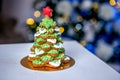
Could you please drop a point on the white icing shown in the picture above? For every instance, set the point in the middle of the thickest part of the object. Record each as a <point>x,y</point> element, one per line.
<point>59,33</point>
<point>57,29</point>
<point>51,40</point>
<point>58,46</point>
<point>38,52</point>
<point>56,64</point>
<point>67,58</point>
<point>37,34</point>
<point>41,31</point>
<point>31,55</point>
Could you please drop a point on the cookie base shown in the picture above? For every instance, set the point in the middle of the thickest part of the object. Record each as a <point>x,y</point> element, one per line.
<point>24,62</point>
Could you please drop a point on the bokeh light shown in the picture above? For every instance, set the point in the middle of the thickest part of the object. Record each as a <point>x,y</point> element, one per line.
<point>83,42</point>
<point>95,6</point>
<point>61,29</point>
<point>112,2</point>
<point>37,13</point>
<point>79,18</point>
<point>30,21</point>
<point>78,27</point>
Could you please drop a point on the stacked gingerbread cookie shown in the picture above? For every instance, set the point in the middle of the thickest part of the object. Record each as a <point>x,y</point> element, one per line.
<point>47,49</point>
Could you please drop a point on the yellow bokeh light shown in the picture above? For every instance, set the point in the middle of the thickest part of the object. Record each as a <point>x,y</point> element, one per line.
<point>61,29</point>
<point>95,5</point>
<point>30,21</point>
<point>112,2</point>
<point>37,13</point>
<point>83,42</point>
<point>79,18</point>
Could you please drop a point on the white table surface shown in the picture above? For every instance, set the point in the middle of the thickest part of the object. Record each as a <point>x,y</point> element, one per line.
<point>87,66</point>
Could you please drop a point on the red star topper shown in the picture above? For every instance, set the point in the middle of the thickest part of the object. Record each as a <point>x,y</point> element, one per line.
<point>47,11</point>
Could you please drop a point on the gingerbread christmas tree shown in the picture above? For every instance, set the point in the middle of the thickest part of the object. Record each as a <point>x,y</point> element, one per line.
<point>47,50</point>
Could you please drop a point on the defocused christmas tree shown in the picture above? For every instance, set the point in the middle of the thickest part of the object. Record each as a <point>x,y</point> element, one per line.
<point>93,23</point>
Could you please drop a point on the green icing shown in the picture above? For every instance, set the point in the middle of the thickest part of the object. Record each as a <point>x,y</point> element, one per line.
<point>55,61</point>
<point>36,44</point>
<point>57,44</point>
<point>50,30</point>
<point>59,39</point>
<point>54,35</point>
<point>43,35</point>
<point>45,45</point>
<point>37,62</point>
<point>47,57</point>
<point>46,22</point>
<point>37,56</point>
<point>39,49</point>
<point>62,48</point>
<point>39,39</point>
<point>32,48</point>
<point>53,51</point>
<point>60,56</point>
<point>37,28</point>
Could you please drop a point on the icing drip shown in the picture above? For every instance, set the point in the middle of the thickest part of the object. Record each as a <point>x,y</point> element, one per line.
<point>31,55</point>
<point>55,63</point>
<point>36,34</point>
<point>60,45</point>
<point>60,56</point>
<point>51,40</point>
<point>59,33</point>
<point>45,46</point>
<point>38,52</point>
<point>41,31</point>
<point>57,29</point>
<point>67,58</point>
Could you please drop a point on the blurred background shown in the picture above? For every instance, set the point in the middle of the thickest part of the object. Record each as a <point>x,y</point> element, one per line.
<point>95,24</point>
